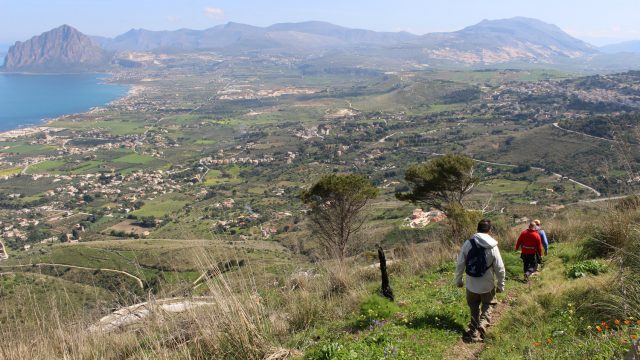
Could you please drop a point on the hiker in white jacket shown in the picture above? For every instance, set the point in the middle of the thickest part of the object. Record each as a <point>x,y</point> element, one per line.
<point>481,285</point>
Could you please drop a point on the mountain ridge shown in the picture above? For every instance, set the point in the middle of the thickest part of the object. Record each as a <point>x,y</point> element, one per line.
<point>314,33</point>
<point>514,40</point>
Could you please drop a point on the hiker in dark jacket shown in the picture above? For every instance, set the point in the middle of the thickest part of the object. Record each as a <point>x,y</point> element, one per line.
<point>531,244</point>
<point>481,290</point>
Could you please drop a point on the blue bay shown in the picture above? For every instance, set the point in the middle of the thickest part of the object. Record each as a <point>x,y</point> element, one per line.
<point>28,99</point>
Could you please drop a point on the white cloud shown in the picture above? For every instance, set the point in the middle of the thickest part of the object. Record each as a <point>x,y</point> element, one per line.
<point>214,13</point>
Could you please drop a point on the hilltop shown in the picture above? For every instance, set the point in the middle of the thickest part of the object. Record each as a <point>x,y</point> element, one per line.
<point>62,49</point>
<point>508,40</point>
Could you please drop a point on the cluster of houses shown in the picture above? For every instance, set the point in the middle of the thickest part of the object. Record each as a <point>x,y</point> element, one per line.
<point>319,131</point>
<point>14,229</point>
<point>420,218</point>
<point>226,204</point>
<point>209,161</point>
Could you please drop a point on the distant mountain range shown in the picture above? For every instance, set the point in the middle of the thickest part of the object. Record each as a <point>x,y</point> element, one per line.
<point>488,42</point>
<point>623,47</point>
<point>306,35</point>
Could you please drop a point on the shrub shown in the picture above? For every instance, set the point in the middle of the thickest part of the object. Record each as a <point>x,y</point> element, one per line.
<point>584,268</point>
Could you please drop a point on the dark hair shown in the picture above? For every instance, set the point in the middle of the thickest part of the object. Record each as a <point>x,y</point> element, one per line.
<point>484,226</point>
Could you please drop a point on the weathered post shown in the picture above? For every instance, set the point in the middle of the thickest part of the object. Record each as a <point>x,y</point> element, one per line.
<point>386,287</point>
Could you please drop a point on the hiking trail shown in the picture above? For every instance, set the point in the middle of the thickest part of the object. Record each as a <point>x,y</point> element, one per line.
<point>464,350</point>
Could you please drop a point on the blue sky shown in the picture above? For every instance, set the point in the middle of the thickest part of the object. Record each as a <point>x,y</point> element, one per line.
<point>597,21</point>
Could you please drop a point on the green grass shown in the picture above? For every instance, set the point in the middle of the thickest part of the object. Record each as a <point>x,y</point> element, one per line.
<point>430,319</point>
<point>436,108</point>
<point>429,322</point>
<point>28,296</point>
<point>115,127</point>
<point>217,177</point>
<point>135,159</point>
<point>555,318</point>
<point>550,317</point>
<point>48,166</point>
<point>87,167</point>
<point>163,205</point>
<point>205,142</point>
<point>502,186</point>
<point>27,149</point>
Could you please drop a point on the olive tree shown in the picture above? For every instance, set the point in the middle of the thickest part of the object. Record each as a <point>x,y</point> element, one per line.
<point>337,205</point>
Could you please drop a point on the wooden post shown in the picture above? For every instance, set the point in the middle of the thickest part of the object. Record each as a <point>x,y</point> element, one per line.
<point>386,287</point>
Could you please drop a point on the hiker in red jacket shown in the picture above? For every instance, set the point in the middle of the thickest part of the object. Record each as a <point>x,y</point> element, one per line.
<point>531,244</point>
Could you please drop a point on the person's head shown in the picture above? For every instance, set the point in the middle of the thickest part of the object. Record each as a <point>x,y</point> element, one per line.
<point>532,225</point>
<point>537,222</point>
<point>484,226</point>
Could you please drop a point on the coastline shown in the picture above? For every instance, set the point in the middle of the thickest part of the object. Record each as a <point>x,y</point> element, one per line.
<point>44,125</point>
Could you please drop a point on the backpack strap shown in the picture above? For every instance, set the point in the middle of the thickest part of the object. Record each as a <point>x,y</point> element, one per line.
<point>474,245</point>
<point>472,241</point>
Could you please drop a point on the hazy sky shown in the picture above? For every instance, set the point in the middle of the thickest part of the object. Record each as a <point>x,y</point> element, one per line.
<point>597,21</point>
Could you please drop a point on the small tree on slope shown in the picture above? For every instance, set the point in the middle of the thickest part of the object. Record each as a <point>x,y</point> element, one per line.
<point>337,210</point>
<point>443,183</point>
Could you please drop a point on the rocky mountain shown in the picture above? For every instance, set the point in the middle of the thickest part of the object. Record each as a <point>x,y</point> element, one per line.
<point>508,40</point>
<point>63,49</point>
<point>623,47</point>
<point>3,52</point>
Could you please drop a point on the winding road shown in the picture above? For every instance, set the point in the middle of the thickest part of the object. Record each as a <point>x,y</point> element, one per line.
<point>557,125</point>
<point>138,280</point>
<point>596,192</point>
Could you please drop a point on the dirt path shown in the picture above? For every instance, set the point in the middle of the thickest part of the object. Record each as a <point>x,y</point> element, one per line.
<point>467,351</point>
<point>138,280</point>
<point>388,136</point>
<point>3,254</point>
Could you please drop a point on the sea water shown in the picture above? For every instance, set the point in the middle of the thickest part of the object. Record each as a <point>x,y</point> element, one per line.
<point>29,99</point>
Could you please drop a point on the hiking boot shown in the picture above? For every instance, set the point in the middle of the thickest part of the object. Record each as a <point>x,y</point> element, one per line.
<point>526,277</point>
<point>471,337</point>
<point>483,332</point>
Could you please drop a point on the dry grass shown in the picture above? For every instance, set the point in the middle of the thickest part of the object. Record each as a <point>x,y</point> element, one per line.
<point>243,321</point>
<point>240,321</point>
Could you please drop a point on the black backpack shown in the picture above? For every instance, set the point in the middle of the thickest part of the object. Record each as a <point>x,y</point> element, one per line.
<point>476,260</point>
